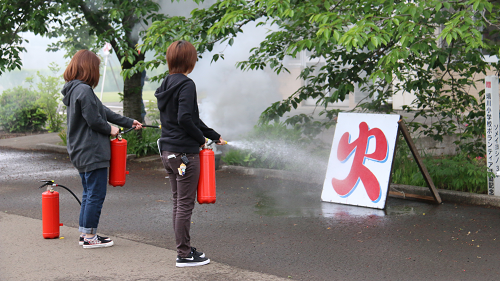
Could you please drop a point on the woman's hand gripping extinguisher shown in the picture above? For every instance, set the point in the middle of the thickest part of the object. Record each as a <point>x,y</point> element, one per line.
<point>206,183</point>
<point>118,161</point>
<point>50,209</point>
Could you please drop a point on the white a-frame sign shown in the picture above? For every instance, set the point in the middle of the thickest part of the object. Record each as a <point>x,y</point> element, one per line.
<point>360,164</point>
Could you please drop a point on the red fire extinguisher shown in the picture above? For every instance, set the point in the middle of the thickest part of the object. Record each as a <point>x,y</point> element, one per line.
<point>50,213</point>
<point>118,162</point>
<point>206,183</point>
<point>50,209</point>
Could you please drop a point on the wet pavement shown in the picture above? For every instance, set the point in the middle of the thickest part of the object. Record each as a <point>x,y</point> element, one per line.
<point>276,226</point>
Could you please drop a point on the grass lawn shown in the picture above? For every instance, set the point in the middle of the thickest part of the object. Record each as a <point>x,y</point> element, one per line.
<point>114,97</point>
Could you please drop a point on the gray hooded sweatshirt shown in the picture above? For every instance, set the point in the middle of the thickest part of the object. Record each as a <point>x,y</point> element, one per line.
<point>88,129</point>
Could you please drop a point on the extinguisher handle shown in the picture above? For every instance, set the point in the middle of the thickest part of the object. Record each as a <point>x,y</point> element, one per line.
<point>46,182</point>
<point>212,141</point>
<point>52,182</point>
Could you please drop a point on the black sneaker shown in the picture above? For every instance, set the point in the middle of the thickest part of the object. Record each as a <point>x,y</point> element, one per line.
<point>196,253</point>
<point>81,239</point>
<point>191,261</point>
<point>96,242</point>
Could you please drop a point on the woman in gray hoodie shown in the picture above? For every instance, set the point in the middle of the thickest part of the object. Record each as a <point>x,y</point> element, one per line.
<point>88,141</point>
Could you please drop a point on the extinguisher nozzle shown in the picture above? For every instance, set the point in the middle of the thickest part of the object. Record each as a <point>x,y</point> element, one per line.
<point>152,126</point>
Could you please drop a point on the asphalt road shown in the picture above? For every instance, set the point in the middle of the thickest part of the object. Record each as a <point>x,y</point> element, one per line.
<point>273,226</point>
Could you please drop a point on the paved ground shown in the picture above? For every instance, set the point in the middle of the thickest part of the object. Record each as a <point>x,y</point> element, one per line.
<point>33,258</point>
<point>261,228</point>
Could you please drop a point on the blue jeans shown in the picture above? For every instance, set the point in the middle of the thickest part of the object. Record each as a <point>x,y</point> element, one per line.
<point>94,191</point>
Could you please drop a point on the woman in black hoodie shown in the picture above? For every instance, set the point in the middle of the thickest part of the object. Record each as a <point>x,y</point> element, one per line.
<point>183,133</point>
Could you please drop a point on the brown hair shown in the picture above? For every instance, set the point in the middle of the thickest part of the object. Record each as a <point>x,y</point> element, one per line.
<point>84,66</point>
<point>181,57</point>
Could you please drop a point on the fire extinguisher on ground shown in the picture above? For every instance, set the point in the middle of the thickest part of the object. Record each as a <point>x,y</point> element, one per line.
<point>50,209</point>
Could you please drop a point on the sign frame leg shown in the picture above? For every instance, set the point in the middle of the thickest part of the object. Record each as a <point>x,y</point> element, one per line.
<point>406,134</point>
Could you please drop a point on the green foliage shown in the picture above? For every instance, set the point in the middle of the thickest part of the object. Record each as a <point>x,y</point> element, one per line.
<point>143,143</point>
<point>64,137</point>
<point>77,33</point>
<point>42,104</point>
<point>83,25</point>
<point>26,119</point>
<point>50,98</point>
<point>30,119</point>
<point>153,113</point>
<point>460,172</point>
<point>19,111</point>
<point>405,169</point>
<point>238,157</point>
<point>430,48</point>
<point>17,17</point>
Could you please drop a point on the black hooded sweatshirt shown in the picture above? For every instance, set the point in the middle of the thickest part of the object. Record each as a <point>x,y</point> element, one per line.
<point>88,129</point>
<point>182,130</point>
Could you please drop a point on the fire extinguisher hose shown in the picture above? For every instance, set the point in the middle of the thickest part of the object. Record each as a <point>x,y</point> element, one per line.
<point>145,126</point>
<point>51,183</point>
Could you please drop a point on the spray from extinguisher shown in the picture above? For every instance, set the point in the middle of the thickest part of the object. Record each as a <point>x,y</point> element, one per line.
<point>118,161</point>
<point>50,209</point>
<point>206,183</point>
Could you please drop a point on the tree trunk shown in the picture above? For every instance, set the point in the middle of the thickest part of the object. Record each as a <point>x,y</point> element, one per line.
<point>132,91</point>
<point>132,97</point>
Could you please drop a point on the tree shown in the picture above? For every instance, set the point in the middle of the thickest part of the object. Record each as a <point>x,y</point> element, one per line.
<point>431,48</point>
<point>49,95</point>
<point>94,22</point>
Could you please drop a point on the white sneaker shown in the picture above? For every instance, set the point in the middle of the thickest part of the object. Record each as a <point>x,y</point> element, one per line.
<point>97,242</point>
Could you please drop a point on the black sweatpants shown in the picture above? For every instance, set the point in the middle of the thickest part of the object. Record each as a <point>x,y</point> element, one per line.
<point>183,196</point>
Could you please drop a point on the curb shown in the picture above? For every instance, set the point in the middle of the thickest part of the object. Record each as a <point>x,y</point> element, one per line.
<point>62,149</point>
<point>51,147</point>
<point>451,196</point>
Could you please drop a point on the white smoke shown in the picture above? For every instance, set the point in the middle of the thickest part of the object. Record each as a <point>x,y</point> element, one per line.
<point>231,100</point>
